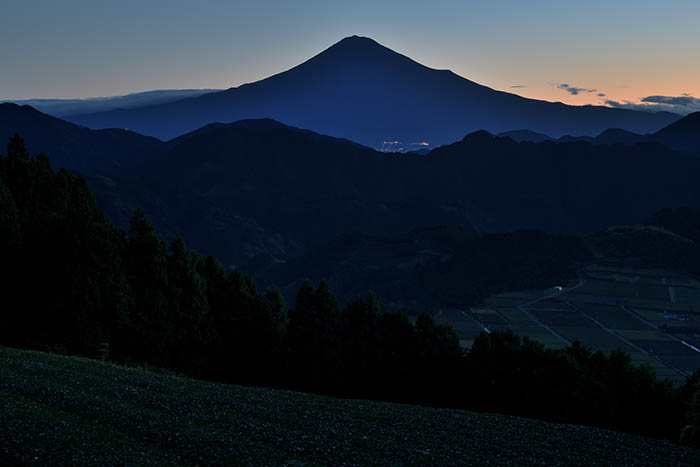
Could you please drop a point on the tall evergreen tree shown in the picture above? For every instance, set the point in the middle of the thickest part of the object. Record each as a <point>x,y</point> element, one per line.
<point>151,329</point>
<point>314,337</point>
<point>189,308</point>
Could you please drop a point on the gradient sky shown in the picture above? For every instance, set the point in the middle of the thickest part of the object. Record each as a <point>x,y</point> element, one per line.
<point>626,49</point>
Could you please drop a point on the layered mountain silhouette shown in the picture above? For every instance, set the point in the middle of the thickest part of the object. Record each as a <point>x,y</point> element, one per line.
<point>261,187</point>
<point>682,135</point>
<point>175,210</point>
<point>310,186</point>
<point>67,107</point>
<point>360,90</point>
<point>109,159</point>
<point>526,135</point>
<point>315,187</point>
<point>75,147</point>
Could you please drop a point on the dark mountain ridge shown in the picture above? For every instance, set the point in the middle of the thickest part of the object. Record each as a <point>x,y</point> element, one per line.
<point>316,188</point>
<point>682,135</point>
<point>287,191</point>
<point>66,107</point>
<point>75,147</point>
<point>363,91</point>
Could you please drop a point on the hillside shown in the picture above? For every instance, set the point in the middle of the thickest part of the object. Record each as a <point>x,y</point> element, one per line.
<point>360,90</point>
<point>574,187</point>
<point>441,266</point>
<point>75,147</point>
<point>261,187</point>
<point>109,159</point>
<point>72,411</point>
<point>67,107</point>
<point>315,188</point>
<point>682,135</point>
<point>312,187</point>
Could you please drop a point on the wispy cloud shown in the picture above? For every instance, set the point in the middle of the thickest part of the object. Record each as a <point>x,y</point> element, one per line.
<point>683,104</point>
<point>517,86</point>
<point>600,94</point>
<point>574,91</point>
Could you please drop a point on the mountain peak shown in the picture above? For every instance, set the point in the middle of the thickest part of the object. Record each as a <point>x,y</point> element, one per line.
<point>363,91</point>
<point>12,107</point>
<point>357,39</point>
<point>479,136</point>
<point>359,48</point>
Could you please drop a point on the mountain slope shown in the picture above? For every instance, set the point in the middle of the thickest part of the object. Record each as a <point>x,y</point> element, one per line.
<point>432,267</point>
<point>683,135</point>
<point>109,159</point>
<point>173,210</point>
<point>62,410</point>
<point>310,186</point>
<point>363,91</point>
<point>67,107</point>
<point>573,187</point>
<point>525,135</point>
<point>75,147</point>
<point>315,187</point>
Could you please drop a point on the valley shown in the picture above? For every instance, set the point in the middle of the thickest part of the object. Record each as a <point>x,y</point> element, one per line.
<point>653,315</point>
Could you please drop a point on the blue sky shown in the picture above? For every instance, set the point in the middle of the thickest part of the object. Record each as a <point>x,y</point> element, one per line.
<point>626,50</point>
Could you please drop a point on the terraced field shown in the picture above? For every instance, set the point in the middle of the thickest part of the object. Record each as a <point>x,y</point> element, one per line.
<point>68,411</point>
<point>653,315</point>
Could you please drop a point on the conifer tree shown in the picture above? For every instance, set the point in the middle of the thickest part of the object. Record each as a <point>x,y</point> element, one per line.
<point>147,272</point>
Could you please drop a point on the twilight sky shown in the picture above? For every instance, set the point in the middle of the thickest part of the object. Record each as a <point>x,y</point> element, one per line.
<point>631,52</point>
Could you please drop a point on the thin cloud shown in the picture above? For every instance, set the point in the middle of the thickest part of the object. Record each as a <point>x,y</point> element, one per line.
<point>683,104</point>
<point>600,94</point>
<point>574,91</point>
<point>517,86</point>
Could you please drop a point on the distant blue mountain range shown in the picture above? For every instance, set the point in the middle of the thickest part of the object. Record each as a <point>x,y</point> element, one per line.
<point>360,90</point>
<point>682,135</point>
<point>68,107</point>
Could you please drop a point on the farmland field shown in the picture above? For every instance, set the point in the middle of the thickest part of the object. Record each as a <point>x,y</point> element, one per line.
<point>646,313</point>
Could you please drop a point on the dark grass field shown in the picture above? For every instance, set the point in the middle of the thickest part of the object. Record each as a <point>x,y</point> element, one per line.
<point>57,410</point>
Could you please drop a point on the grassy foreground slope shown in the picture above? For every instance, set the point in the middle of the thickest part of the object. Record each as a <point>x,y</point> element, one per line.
<point>63,410</point>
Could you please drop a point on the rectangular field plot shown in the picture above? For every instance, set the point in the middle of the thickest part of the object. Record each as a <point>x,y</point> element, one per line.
<point>575,297</point>
<point>640,357</point>
<point>564,316</point>
<point>662,370</point>
<point>511,298</point>
<point>488,316</point>
<point>652,335</point>
<point>652,292</point>
<point>465,328</point>
<point>625,290</point>
<point>608,289</point>
<point>651,314</point>
<point>596,338</point>
<point>673,352</point>
<point>613,317</point>
<point>688,296</point>
<point>692,339</point>
<point>653,304</point>
<point>516,316</point>
<point>540,334</point>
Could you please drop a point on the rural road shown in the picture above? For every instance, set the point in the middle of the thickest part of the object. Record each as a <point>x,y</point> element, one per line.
<point>524,309</point>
